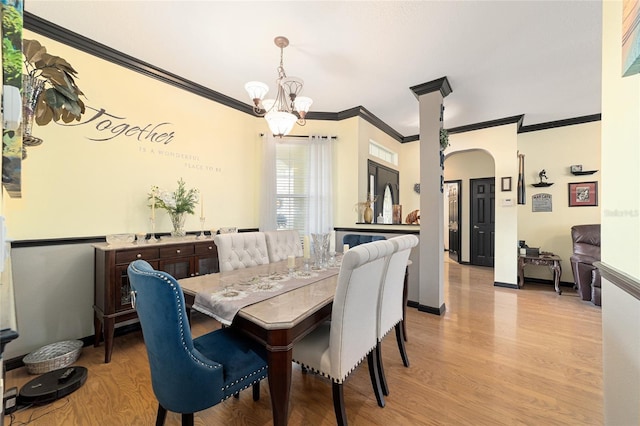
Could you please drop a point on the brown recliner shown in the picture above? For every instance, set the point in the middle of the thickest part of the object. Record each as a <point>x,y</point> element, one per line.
<point>586,250</point>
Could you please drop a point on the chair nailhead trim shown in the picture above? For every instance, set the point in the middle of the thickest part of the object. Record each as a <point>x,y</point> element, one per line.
<point>244,378</point>
<point>256,380</point>
<point>176,293</point>
<point>328,376</point>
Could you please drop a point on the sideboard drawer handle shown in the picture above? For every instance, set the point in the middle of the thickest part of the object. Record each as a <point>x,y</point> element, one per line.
<point>178,251</point>
<point>210,248</point>
<point>139,256</point>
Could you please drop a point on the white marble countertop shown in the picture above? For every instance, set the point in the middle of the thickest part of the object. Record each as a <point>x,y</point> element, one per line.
<point>282,311</point>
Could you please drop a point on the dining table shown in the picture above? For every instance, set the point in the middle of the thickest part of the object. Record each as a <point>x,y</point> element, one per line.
<point>273,304</point>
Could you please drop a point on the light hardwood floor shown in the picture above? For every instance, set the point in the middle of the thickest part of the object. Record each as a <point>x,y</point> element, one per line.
<point>496,357</point>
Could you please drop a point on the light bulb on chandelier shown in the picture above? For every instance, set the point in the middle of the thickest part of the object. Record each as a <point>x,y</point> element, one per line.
<point>287,108</point>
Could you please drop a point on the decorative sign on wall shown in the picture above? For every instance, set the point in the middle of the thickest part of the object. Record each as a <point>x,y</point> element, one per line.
<point>108,126</point>
<point>541,202</point>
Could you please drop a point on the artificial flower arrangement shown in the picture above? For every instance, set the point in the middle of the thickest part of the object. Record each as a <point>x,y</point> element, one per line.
<point>176,203</point>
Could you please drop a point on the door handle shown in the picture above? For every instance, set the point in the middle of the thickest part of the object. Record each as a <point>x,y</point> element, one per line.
<point>476,227</point>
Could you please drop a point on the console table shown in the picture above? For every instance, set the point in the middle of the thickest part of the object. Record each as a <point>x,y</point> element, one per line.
<point>181,258</point>
<point>546,259</point>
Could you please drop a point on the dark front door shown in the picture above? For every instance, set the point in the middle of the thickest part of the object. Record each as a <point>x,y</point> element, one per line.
<point>483,202</point>
<point>455,237</point>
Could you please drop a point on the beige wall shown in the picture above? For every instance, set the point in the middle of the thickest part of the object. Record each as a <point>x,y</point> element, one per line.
<point>577,144</point>
<point>410,175</point>
<point>555,150</point>
<point>74,186</point>
<point>500,143</point>
<point>620,225</point>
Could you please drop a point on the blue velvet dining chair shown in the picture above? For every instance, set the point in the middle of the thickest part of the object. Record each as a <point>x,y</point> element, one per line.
<point>189,375</point>
<point>356,239</point>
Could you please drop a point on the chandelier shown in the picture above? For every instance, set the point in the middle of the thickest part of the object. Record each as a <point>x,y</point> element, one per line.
<point>287,108</point>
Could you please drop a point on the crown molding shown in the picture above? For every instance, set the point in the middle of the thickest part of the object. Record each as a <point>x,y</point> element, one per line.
<point>84,44</point>
<point>486,124</point>
<point>77,41</point>
<point>561,123</point>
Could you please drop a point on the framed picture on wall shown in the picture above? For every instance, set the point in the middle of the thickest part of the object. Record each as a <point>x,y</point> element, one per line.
<point>506,184</point>
<point>583,194</point>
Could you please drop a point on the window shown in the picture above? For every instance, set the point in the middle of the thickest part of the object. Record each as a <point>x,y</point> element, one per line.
<point>292,173</point>
<point>379,151</point>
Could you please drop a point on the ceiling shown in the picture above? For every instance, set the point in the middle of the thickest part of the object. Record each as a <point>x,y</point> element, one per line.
<point>502,58</point>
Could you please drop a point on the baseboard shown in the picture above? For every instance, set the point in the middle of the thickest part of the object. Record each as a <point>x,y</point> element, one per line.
<point>427,309</point>
<point>505,285</point>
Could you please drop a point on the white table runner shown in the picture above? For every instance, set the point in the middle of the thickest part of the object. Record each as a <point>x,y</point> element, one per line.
<point>241,288</point>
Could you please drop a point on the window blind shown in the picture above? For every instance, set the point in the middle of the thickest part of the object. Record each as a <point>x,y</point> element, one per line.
<point>292,182</point>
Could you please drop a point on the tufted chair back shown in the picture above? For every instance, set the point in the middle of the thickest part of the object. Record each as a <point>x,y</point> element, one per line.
<point>189,375</point>
<point>391,302</point>
<point>391,297</point>
<point>337,347</point>
<point>354,313</point>
<point>242,250</point>
<point>281,244</point>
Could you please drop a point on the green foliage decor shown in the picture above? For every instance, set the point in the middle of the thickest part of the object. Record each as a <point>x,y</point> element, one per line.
<point>444,139</point>
<point>182,200</point>
<point>60,100</point>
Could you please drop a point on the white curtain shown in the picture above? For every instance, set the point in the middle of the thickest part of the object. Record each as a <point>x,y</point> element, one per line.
<point>320,212</point>
<point>268,185</point>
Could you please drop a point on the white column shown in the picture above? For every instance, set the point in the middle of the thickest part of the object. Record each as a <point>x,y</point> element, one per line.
<point>431,281</point>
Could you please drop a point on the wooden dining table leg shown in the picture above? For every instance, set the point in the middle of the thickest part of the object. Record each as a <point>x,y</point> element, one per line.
<point>279,362</point>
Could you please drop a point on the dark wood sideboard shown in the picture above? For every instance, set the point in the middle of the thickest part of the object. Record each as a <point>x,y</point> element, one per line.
<point>112,297</point>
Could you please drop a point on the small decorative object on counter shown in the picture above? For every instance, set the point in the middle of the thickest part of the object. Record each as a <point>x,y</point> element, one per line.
<point>397,214</point>
<point>368,212</point>
<point>176,203</point>
<point>413,218</point>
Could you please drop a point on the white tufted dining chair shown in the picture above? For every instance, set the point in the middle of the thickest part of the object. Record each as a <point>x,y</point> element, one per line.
<point>390,304</point>
<point>281,244</point>
<point>241,250</point>
<point>337,347</point>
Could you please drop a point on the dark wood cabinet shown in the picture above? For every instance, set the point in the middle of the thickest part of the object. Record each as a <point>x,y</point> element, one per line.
<point>112,298</point>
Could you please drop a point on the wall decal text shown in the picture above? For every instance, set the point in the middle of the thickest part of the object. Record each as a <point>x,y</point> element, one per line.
<point>111,126</point>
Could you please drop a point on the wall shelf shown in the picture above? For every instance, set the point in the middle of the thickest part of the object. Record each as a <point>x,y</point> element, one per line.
<point>584,172</point>
<point>542,184</point>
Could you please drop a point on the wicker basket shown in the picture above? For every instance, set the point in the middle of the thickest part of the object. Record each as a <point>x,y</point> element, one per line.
<point>53,356</point>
